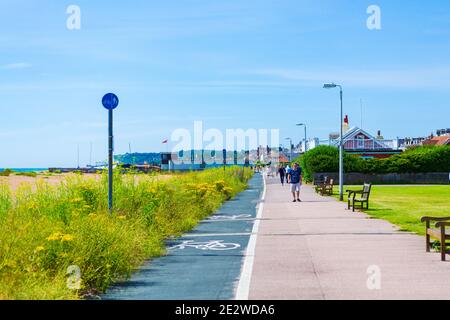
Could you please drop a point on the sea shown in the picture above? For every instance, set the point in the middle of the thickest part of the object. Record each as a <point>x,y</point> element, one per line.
<point>25,169</point>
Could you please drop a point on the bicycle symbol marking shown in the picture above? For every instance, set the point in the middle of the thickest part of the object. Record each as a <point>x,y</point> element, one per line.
<point>217,245</point>
<point>235,217</point>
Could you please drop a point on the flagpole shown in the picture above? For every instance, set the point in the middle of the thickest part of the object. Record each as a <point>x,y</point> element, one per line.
<point>166,142</point>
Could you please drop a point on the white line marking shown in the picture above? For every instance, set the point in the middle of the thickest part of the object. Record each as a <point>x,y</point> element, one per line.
<point>217,235</point>
<point>243,289</point>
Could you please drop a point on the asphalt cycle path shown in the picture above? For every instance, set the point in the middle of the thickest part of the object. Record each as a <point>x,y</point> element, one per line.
<point>205,264</point>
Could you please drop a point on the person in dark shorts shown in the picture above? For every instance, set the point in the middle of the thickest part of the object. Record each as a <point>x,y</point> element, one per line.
<point>295,176</point>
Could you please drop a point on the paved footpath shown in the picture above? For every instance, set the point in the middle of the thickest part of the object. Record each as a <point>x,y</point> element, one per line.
<point>319,250</point>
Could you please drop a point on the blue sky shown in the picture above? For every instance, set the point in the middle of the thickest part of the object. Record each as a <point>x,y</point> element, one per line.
<point>232,64</point>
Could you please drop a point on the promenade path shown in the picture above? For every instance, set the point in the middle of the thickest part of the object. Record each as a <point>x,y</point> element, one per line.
<point>319,250</point>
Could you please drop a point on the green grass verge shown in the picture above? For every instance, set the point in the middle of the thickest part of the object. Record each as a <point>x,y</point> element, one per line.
<point>404,206</point>
<point>47,229</point>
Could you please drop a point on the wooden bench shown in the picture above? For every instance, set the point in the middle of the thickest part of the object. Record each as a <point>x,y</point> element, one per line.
<point>359,196</point>
<point>320,184</point>
<point>327,188</point>
<point>439,233</point>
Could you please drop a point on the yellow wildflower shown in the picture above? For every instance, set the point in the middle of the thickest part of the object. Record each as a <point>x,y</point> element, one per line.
<point>121,217</point>
<point>55,236</point>
<point>40,248</point>
<point>67,238</point>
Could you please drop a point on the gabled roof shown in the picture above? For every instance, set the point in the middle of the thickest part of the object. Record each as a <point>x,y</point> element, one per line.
<point>354,131</point>
<point>283,159</point>
<point>438,141</point>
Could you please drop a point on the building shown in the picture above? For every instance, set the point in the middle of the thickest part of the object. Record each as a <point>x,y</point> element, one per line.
<point>406,143</point>
<point>359,142</point>
<point>437,141</point>
<point>313,143</point>
<point>283,160</point>
<point>443,132</point>
<point>442,138</point>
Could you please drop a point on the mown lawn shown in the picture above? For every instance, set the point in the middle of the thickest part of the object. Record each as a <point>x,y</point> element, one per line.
<point>404,206</point>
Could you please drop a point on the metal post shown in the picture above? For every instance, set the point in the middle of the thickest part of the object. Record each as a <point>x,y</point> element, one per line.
<point>306,141</point>
<point>305,146</point>
<point>341,142</point>
<point>110,160</point>
<point>291,149</point>
<point>78,156</point>
<point>110,101</point>
<point>341,152</point>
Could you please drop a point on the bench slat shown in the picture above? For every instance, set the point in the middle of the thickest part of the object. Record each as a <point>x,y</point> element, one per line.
<point>437,234</point>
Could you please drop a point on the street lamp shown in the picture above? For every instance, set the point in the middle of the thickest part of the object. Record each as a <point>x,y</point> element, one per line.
<point>290,157</point>
<point>306,141</point>
<point>341,141</point>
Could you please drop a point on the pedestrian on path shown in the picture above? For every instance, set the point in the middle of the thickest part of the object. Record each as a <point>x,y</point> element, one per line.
<point>282,173</point>
<point>288,169</point>
<point>295,176</point>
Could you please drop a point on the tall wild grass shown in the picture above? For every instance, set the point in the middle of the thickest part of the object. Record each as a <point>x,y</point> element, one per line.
<point>45,229</point>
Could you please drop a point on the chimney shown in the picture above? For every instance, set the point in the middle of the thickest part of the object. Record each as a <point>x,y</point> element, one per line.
<point>345,125</point>
<point>379,136</point>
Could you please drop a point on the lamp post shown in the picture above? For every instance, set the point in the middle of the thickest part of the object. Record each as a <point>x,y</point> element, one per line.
<point>306,139</point>
<point>341,141</point>
<point>290,140</point>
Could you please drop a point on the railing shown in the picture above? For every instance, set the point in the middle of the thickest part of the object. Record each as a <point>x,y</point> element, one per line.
<point>360,144</point>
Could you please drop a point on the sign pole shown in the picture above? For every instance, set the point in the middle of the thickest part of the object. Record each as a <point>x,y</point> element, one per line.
<point>110,101</point>
<point>110,160</point>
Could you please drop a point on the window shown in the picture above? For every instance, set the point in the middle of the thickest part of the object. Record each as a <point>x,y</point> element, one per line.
<point>360,142</point>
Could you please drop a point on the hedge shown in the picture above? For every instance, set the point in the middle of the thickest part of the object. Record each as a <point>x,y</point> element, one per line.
<point>415,160</point>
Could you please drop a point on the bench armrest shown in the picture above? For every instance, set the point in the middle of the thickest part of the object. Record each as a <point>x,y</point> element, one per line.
<point>350,192</point>
<point>435,219</point>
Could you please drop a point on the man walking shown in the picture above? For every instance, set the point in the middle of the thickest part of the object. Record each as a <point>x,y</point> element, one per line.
<point>282,173</point>
<point>295,175</point>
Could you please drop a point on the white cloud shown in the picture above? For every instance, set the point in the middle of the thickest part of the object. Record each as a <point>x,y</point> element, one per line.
<point>15,66</point>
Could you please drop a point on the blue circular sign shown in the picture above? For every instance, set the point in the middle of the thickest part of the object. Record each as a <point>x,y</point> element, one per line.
<point>110,101</point>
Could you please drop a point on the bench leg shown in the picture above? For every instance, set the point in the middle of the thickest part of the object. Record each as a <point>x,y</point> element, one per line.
<point>443,244</point>
<point>428,238</point>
